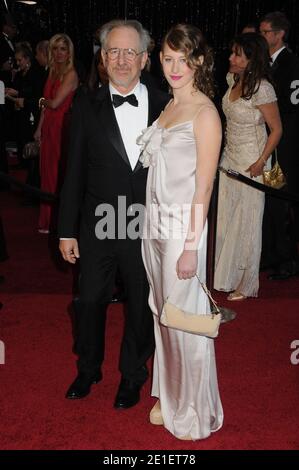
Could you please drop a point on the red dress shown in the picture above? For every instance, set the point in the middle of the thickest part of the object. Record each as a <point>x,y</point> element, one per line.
<point>53,155</point>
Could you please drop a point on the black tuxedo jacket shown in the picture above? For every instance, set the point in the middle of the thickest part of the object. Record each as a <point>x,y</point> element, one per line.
<point>98,167</point>
<point>285,71</point>
<point>5,53</point>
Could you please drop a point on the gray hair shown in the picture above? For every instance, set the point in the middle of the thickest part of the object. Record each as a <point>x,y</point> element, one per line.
<point>142,32</point>
<point>43,46</point>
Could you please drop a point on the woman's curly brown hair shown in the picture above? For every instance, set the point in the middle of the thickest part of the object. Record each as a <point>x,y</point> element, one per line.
<point>199,56</point>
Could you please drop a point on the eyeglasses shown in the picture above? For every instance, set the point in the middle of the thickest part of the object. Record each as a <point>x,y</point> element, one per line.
<point>128,54</point>
<point>266,31</point>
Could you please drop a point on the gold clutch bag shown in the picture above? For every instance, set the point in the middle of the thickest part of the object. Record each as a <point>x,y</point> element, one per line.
<point>274,177</point>
<point>201,324</point>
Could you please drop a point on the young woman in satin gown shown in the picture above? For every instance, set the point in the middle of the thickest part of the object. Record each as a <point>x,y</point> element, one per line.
<point>181,150</point>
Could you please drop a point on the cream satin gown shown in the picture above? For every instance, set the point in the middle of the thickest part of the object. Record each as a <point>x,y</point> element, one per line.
<point>184,376</point>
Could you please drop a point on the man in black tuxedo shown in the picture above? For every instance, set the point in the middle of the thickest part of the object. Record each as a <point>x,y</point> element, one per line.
<point>279,240</point>
<point>7,50</point>
<point>7,53</point>
<point>104,169</point>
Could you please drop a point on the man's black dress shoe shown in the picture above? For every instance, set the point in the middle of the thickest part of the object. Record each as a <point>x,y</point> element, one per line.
<point>2,279</point>
<point>288,269</point>
<point>80,388</point>
<point>279,275</point>
<point>128,394</point>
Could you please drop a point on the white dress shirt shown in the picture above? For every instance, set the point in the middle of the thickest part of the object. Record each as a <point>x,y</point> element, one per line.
<point>132,120</point>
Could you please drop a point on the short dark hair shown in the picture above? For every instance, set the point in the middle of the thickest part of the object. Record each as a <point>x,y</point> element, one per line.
<point>252,25</point>
<point>279,22</point>
<point>7,19</point>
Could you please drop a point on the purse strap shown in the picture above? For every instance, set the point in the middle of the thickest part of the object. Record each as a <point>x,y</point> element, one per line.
<point>206,291</point>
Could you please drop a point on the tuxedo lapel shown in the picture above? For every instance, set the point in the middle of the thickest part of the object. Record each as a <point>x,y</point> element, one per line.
<point>154,106</point>
<point>150,118</point>
<point>274,66</point>
<point>282,56</point>
<point>7,43</point>
<point>137,166</point>
<point>109,123</point>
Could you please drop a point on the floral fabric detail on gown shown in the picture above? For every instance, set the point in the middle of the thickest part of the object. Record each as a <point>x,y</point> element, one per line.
<point>150,142</point>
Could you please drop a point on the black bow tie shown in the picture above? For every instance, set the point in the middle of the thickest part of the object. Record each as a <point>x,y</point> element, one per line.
<point>118,100</point>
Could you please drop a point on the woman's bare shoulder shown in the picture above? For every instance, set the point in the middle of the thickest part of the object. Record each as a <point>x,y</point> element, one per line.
<point>70,75</point>
<point>204,104</point>
<point>206,116</point>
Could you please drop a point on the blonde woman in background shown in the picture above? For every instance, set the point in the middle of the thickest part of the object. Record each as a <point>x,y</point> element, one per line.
<point>52,129</point>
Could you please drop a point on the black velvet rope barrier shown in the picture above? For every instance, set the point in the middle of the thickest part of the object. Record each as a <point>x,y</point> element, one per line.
<point>213,213</point>
<point>281,194</point>
<point>230,173</point>
<point>28,188</point>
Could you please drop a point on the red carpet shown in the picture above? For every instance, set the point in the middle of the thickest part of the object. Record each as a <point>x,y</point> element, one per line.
<point>259,386</point>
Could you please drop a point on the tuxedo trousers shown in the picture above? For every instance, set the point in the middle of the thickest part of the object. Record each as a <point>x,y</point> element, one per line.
<point>99,261</point>
<point>279,245</point>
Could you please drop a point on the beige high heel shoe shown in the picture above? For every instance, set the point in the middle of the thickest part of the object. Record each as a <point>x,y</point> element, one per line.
<point>236,295</point>
<point>155,415</point>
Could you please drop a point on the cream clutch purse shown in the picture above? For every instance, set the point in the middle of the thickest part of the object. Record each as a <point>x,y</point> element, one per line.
<point>201,324</point>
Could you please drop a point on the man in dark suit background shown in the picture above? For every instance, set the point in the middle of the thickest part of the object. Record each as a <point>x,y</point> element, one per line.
<point>7,53</point>
<point>103,166</point>
<point>7,50</point>
<point>279,234</point>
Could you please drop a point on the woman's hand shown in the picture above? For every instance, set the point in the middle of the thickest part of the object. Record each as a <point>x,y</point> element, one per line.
<point>37,135</point>
<point>256,169</point>
<point>186,267</point>
<point>11,92</point>
<point>19,103</point>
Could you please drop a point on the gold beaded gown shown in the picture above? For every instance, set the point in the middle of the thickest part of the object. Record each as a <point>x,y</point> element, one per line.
<point>241,207</point>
